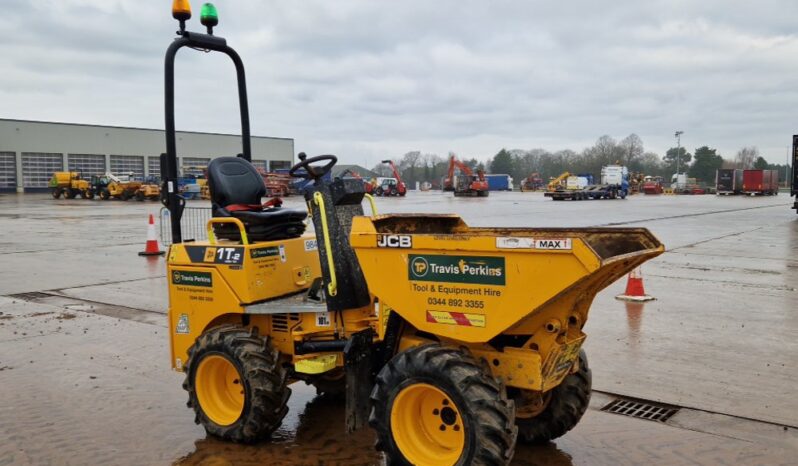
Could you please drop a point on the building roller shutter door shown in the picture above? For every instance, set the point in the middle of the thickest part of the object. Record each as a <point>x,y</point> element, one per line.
<point>8,171</point>
<point>194,166</point>
<point>87,164</point>
<point>126,164</point>
<point>280,164</point>
<point>262,164</point>
<point>38,168</point>
<point>154,166</point>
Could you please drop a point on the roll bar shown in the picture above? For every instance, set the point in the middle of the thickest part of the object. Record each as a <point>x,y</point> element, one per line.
<point>203,42</point>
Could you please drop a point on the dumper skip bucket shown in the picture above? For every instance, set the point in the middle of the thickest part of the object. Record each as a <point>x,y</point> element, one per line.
<point>472,284</point>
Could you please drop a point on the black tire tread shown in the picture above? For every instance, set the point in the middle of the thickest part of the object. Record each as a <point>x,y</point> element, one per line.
<point>265,378</point>
<point>567,405</point>
<point>482,396</point>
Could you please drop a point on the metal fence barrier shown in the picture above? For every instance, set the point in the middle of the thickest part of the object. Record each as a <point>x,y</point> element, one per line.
<point>193,224</point>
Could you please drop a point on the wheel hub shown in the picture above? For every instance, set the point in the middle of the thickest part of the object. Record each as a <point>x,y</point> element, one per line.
<point>220,391</point>
<point>427,426</point>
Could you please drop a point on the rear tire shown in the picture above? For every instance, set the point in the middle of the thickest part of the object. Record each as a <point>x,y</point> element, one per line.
<point>69,193</point>
<point>236,384</point>
<point>139,196</point>
<point>105,194</point>
<point>436,405</point>
<point>567,403</point>
<point>88,194</point>
<point>125,195</point>
<point>57,193</point>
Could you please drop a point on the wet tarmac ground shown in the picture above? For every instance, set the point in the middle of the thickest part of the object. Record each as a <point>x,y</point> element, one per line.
<point>85,378</point>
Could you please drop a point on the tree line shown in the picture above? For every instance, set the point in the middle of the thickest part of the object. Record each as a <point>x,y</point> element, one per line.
<point>630,151</point>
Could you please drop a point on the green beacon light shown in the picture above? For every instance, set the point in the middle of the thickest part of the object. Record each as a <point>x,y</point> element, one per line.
<point>209,17</point>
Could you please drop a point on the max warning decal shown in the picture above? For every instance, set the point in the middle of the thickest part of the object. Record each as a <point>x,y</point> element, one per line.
<point>456,269</point>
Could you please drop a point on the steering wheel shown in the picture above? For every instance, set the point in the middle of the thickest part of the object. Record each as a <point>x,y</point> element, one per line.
<point>312,172</point>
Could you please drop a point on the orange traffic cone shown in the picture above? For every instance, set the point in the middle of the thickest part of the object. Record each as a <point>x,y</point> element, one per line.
<point>634,288</point>
<point>152,248</point>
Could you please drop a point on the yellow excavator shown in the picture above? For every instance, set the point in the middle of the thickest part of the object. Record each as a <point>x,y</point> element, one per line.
<point>558,182</point>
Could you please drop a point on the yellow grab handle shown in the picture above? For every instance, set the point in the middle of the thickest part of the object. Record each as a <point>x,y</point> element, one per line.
<point>235,221</point>
<point>332,287</point>
<point>373,204</point>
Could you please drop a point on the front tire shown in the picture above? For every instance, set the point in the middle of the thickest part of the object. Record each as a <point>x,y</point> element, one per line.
<point>435,405</point>
<point>236,385</point>
<point>566,404</point>
<point>105,194</point>
<point>57,193</point>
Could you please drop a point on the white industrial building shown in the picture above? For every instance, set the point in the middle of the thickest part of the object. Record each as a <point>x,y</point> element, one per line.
<point>30,151</point>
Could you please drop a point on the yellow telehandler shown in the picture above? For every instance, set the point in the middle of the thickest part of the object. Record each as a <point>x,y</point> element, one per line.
<point>451,342</point>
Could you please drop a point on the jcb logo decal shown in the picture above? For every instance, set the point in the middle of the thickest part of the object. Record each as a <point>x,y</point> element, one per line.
<point>395,241</point>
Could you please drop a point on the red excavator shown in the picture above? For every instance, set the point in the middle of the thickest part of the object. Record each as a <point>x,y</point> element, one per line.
<point>652,185</point>
<point>466,183</point>
<point>533,182</point>
<point>367,185</point>
<point>391,186</point>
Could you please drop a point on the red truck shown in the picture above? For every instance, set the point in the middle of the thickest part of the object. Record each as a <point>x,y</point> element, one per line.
<point>764,182</point>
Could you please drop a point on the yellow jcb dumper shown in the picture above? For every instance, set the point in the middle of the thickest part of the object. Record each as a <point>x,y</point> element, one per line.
<point>70,185</point>
<point>149,191</point>
<point>451,342</point>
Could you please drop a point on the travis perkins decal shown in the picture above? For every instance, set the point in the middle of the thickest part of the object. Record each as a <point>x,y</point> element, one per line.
<point>186,278</point>
<point>457,269</point>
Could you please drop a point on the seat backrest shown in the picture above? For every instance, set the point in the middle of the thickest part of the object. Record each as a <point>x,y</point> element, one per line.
<point>233,180</point>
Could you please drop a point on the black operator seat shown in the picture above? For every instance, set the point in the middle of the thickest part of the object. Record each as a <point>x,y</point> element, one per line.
<point>236,190</point>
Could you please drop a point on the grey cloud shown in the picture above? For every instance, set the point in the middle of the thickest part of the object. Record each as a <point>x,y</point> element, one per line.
<point>373,79</point>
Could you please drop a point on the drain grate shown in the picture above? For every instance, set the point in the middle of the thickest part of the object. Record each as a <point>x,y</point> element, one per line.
<point>640,410</point>
<point>31,296</point>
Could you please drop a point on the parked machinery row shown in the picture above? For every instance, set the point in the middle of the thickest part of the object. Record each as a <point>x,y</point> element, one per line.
<point>109,186</point>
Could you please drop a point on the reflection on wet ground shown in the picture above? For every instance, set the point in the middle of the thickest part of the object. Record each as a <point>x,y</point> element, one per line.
<point>319,438</point>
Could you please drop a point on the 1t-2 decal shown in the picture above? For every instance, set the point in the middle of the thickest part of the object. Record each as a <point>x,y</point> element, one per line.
<point>228,256</point>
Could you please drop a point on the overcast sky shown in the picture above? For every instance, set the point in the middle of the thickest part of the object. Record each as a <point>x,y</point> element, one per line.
<point>373,79</point>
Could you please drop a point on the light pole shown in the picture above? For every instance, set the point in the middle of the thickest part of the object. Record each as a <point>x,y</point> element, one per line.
<point>678,135</point>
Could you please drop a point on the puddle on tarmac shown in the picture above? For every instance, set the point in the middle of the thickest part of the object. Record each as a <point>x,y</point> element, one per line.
<point>317,435</point>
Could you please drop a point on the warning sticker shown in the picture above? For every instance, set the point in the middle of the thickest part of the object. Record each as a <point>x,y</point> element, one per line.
<point>512,242</point>
<point>182,324</point>
<point>456,318</point>
<point>322,319</point>
<point>552,244</point>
